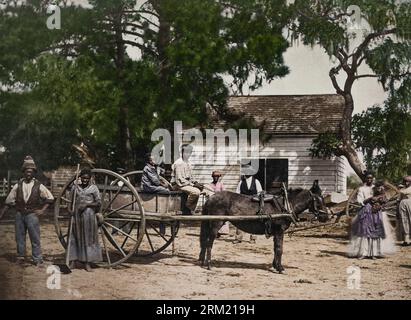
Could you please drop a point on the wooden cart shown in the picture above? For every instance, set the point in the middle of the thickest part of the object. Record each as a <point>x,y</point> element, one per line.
<point>132,222</point>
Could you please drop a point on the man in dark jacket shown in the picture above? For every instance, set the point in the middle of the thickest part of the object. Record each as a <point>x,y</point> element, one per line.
<point>150,181</point>
<point>31,199</point>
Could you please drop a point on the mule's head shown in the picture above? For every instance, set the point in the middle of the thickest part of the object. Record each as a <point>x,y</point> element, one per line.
<point>318,208</point>
<point>302,199</point>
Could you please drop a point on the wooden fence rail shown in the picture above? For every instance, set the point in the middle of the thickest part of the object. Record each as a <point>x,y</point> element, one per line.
<point>5,186</point>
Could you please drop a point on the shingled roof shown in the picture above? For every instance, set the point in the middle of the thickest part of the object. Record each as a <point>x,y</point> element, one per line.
<point>290,114</point>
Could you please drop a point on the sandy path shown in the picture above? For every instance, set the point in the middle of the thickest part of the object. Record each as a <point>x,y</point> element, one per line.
<point>315,263</point>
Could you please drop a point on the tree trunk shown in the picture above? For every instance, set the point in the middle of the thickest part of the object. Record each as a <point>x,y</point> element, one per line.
<point>163,41</point>
<point>124,143</point>
<point>347,148</point>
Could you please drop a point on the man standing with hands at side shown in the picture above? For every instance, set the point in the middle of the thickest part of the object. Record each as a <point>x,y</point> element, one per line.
<point>31,199</point>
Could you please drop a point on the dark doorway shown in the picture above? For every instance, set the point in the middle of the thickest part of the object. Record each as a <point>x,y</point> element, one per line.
<point>272,173</point>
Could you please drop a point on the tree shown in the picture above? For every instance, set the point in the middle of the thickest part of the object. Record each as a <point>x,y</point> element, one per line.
<point>384,136</point>
<point>182,49</point>
<point>383,29</point>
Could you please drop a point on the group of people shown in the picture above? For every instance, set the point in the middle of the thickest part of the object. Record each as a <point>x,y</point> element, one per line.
<point>31,200</point>
<point>371,233</point>
<point>183,180</point>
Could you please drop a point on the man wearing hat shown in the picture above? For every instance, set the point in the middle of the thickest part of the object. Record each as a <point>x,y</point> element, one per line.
<point>31,199</point>
<point>248,185</point>
<point>404,212</point>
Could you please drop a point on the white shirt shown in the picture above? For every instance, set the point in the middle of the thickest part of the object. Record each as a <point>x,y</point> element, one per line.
<point>365,192</point>
<point>27,187</point>
<point>249,180</point>
<point>182,173</point>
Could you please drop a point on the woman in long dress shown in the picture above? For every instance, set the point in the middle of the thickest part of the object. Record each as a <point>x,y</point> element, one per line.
<point>372,235</point>
<point>84,243</point>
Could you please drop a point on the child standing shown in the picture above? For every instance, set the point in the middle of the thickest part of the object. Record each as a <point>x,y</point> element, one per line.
<point>217,186</point>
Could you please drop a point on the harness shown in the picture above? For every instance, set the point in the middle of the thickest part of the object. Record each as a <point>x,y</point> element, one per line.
<point>316,197</point>
<point>277,202</point>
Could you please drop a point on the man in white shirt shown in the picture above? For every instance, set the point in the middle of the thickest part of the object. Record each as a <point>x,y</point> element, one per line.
<point>366,191</point>
<point>248,185</point>
<point>31,199</point>
<point>183,180</point>
<point>404,212</point>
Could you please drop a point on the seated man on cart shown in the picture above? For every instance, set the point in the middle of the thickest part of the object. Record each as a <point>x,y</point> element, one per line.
<point>182,180</point>
<point>150,180</point>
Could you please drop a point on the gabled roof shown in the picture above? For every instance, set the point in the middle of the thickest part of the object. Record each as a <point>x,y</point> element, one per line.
<point>289,114</point>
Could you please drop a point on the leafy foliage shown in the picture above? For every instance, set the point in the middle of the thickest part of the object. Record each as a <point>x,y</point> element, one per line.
<point>384,136</point>
<point>379,38</point>
<point>325,145</point>
<point>117,70</point>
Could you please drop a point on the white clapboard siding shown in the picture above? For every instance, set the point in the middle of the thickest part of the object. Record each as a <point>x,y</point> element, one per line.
<point>302,169</point>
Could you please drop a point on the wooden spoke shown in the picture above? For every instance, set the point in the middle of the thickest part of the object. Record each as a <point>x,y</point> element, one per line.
<point>105,248</point>
<point>121,231</point>
<point>112,200</point>
<point>103,194</point>
<point>120,208</point>
<point>149,241</point>
<point>125,239</point>
<point>158,232</point>
<point>113,241</point>
<point>154,242</point>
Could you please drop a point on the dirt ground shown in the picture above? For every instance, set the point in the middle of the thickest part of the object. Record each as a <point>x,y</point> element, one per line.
<point>315,262</point>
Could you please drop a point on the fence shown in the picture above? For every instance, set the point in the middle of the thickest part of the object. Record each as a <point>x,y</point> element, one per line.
<point>5,187</point>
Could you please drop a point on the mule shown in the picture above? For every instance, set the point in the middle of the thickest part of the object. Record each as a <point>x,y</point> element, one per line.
<point>233,204</point>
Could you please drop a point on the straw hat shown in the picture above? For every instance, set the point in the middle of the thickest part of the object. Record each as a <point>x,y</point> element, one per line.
<point>28,163</point>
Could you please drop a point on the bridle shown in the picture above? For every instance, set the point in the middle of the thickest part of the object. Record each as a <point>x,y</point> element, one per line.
<point>315,199</point>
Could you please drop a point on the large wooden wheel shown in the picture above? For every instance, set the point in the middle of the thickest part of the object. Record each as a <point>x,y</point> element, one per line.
<point>121,217</point>
<point>391,192</point>
<point>158,236</point>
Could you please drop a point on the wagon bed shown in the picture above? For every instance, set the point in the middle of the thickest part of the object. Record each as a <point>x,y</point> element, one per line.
<point>133,222</point>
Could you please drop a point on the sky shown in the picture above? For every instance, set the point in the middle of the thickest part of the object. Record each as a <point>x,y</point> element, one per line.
<point>309,68</point>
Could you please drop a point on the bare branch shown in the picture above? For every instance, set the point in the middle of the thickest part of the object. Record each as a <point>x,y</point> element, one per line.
<point>142,11</point>
<point>366,76</point>
<point>332,74</point>
<point>360,49</point>
<point>139,46</point>
<point>360,61</point>
<point>114,22</point>
<point>150,22</point>
<point>133,33</point>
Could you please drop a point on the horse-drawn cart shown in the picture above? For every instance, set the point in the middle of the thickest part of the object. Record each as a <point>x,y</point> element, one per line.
<point>132,222</point>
